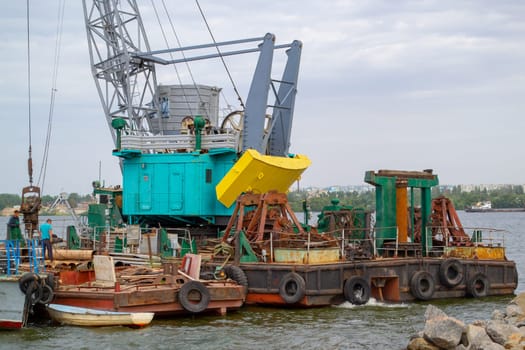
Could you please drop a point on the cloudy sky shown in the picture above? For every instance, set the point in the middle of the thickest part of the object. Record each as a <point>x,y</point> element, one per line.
<point>405,85</point>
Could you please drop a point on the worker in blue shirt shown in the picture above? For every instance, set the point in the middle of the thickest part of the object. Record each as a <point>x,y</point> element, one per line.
<point>46,234</point>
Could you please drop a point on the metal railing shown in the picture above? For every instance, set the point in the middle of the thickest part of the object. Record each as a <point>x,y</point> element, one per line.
<point>479,237</point>
<point>12,254</point>
<point>163,143</point>
<point>346,241</point>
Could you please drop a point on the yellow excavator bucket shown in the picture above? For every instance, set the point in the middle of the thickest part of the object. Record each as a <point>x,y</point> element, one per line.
<point>257,173</point>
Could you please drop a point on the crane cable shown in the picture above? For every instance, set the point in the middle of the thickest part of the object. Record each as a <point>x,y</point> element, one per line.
<point>171,55</point>
<point>58,39</point>
<point>30,159</point>
<point>220,55</point>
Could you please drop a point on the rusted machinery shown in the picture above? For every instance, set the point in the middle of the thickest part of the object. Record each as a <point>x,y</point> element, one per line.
<point>445,224</point>
<point>261,222</point>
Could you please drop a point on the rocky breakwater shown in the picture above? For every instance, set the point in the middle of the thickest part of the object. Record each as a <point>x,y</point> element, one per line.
<point>505,330</point>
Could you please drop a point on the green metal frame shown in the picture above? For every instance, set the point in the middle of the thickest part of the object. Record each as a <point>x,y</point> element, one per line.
<point>386,206</point>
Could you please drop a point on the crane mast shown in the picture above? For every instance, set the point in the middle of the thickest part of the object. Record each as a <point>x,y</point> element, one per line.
<point>177,162</point>
<point>126,84</point>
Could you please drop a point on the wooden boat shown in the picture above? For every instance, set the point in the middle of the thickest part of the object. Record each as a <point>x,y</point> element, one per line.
<point>80,316</point>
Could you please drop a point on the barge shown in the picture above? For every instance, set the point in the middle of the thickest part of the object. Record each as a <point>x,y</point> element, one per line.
<point>412,253</point>
<point>184,169</point>
<point>165,292</point>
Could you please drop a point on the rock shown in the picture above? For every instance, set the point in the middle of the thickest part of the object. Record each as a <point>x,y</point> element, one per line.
<point>499,331</point>
<point>505,330</point>
<point>497,315</point>
<point>445,332</point>
<point>421,344</point>
<point>480,323</point>
<point>513,310</point>
<point>520,302</point>
<point>520,324</point>
<point>515,341</point>
<point>434,312</point>
<point>476,336</point>
<point>515,314</point>
<point>489,346</point>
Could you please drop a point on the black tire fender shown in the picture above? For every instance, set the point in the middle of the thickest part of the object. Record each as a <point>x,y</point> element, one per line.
<point>422,285</point>
<point>478,285</point>
<point>292,288</point>
<point>236,274</point>
<point>50,281</point>
<point>192,287</point>
<point>356,290</point>
<point>26,280</point>
<point>451,273</point>
<point>47,295</point>
<point>36,292</point>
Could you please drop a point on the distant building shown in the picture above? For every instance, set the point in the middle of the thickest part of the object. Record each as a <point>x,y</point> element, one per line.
<point>488,187</point>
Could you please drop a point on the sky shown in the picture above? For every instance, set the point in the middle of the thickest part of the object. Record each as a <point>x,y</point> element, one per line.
<point>407,85</point>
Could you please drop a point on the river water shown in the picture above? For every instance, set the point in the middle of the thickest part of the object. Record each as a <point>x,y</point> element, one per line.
<point>372,326</point>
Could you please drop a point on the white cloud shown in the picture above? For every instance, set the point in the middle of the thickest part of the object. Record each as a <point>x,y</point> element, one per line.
<point>400,84</point>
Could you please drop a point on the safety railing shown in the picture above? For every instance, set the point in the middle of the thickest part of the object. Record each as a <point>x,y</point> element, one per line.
<point>164,143</point>
<point>474,237</point>
<point>35,255</point>
<point>349,243</point>
<point>12,254</point>
<point>9,256</point>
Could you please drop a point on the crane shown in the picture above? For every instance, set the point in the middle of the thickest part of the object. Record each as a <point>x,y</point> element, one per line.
<point>172,158</point>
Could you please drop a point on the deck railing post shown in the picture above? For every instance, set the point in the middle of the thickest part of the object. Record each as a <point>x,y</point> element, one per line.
<point>308,249</point>
<point>397,240</point>
<point>342,243</point>
<point>374,241</point>
<point>271,246</point>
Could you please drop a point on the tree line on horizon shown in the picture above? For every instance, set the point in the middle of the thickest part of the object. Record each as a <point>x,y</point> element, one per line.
<point>511,196</point>
<point>11,200</point>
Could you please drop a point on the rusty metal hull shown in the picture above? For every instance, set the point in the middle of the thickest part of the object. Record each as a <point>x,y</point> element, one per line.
<point>389,280</point>
<point>162,299</point>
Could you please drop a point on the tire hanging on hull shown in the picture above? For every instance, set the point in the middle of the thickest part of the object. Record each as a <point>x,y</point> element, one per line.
<point>356,290</point>
<point>422,285</point>
<point>451,273</point>
<point>194,287</point>
<point>478,285</point>
<point>236,274</point>
<point>292,288</point>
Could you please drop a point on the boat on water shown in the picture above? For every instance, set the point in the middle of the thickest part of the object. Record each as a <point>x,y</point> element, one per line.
<point>183,168</point>
<point>21,291</point>
<point>486,207</point>
<point>169,291</point>
<point>412,253</point>
<point>79,316</point>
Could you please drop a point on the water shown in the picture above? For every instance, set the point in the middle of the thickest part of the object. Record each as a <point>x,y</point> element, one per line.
<point>372,326</point>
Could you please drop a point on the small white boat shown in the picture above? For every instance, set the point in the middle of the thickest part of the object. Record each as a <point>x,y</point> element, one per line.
<point>80,316</point>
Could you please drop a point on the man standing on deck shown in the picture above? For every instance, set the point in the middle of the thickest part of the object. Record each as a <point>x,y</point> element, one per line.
<point>14,220</point>
<point>13,226</point>
<point>46,233</point>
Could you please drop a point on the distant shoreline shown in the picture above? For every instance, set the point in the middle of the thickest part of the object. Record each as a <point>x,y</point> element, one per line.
<point>495,210</point>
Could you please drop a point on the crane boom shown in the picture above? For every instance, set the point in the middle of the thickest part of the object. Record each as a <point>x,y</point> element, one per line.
<point>126,83</point>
